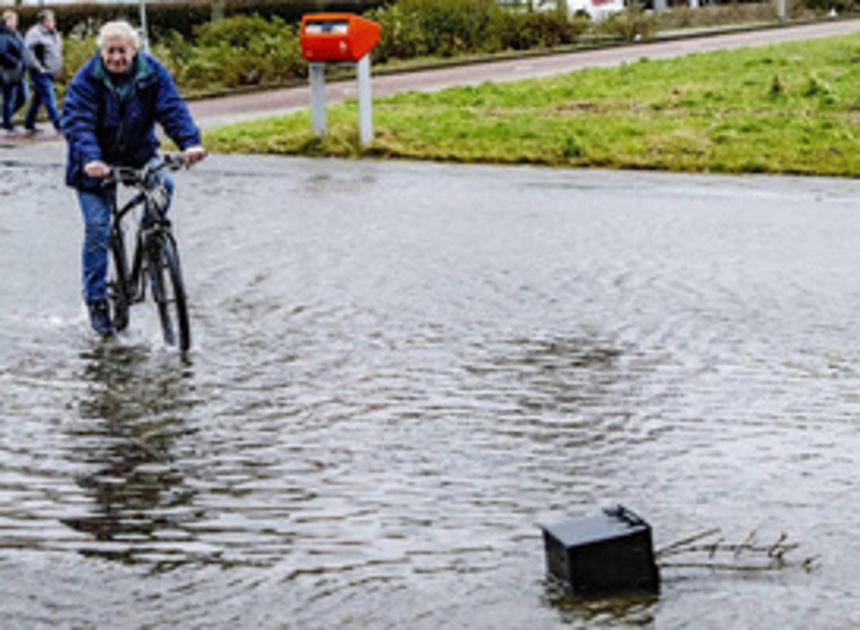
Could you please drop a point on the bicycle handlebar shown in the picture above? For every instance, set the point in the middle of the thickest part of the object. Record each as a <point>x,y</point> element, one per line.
<point>130,176</point>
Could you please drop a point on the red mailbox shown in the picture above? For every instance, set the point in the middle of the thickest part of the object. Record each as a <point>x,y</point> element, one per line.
<point>337,37</point>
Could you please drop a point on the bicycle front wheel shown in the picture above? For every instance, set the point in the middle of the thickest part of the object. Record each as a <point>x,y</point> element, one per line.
<point>168,292</point>
<point>118,293</point>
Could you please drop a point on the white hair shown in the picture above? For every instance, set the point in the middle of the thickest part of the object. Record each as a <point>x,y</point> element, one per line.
<point>116,30</point>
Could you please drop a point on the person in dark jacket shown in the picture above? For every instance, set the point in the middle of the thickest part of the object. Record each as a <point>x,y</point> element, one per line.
<point>11,68</point>
<point>110,111</point>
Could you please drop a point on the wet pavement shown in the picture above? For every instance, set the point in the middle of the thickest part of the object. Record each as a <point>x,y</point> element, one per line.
<point>401,369</point>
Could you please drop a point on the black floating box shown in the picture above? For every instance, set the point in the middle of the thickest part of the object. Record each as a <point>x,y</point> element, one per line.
<point>611,551</point>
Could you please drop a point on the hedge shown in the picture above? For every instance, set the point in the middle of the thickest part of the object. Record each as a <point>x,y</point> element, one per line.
<point>84,19</point>
<point>445,28</point>
<point>257,49</point>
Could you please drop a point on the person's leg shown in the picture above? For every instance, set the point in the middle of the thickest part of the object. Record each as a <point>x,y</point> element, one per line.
<point>9,95</point>
<point>164,178</point>
<point>49,99</point>
<point>21,94</point>
<point>35,102</point>
<point>96,210</point>
<point>167,182</point>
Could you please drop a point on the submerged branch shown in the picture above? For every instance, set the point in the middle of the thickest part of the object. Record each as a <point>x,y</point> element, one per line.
<point>772,551</point>
<point>686,541</point>
<point>773,555</point>
<point>808,565</point>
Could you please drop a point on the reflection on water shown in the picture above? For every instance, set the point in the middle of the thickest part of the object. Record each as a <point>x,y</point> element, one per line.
<point>556,375</point>
<point>401,370</point>
<point>635,611</point>
<point>130,416</point>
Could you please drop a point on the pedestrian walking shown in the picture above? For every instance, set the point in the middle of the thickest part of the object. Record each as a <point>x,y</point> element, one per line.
<point>11,69</point>
<point>43,54</point>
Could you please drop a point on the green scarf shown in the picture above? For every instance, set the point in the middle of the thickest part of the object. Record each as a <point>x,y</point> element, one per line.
<point>123,86</point>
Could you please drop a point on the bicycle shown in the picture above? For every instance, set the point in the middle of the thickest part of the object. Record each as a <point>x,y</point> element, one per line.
<point>155,256</point>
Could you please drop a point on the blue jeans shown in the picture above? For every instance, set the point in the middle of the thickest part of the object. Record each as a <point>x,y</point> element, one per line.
<point>43,94</point>
<point>10,93</point>
<point>96,208</point>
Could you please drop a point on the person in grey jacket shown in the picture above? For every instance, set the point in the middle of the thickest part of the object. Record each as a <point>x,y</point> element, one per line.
<point>11,68</point>
<point>43,53</point>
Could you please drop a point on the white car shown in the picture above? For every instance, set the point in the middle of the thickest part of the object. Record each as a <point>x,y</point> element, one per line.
<point>596,9</point>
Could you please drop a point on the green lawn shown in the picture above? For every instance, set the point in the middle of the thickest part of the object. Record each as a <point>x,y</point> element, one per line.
<point>791,108</point>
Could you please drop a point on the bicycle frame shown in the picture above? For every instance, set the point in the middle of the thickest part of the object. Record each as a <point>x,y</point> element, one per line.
<point>155,256</point>
<point>152,224</point>
<point>153,221</point>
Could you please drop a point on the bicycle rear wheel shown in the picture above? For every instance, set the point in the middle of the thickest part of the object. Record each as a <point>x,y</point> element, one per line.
<point>118,294</point>
<point>168,291</point>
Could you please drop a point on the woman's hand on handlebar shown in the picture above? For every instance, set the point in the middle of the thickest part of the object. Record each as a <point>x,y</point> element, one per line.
<point>193,154</point>
<point>97,169</point>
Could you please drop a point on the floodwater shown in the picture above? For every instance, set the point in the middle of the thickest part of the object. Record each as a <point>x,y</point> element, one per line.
<point>401,370</point>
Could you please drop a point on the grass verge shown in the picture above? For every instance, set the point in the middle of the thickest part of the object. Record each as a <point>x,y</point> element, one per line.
<point>790,108</point>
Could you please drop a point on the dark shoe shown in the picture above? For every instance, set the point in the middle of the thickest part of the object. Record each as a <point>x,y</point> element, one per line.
<point>100,318</point>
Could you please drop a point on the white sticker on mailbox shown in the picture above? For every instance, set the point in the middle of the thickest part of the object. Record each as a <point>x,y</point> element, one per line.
<point>336,28</point>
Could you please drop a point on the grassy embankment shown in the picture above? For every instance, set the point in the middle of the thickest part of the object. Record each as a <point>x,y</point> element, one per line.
<point>790,108</point>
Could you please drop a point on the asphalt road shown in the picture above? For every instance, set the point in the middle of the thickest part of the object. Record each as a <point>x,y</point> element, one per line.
<point>218,111</point>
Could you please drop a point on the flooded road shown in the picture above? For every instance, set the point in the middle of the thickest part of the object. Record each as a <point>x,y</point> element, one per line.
<point>400,370</point>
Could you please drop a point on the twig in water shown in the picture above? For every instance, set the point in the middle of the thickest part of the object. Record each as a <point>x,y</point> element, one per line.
<point>750,540</point>
<point>773,555</point>
<point>778,550</point>
<point>686,541</point>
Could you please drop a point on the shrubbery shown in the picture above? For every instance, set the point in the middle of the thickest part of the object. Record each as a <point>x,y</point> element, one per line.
<point>539,29</point>
<point>840,6</point>
<point>734,13</point>
<point>453,26</point>
<point>82,19</point>
<point>247,50</point>
<point>255,49</point>
<point>402,36</point>
<point>631,24</point>
<point>243,50</point>
<point>444,28</point>
<point>238,51</point>
<point>711,15</point>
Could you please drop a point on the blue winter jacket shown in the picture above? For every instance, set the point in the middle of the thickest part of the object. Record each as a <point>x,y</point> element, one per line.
<point>11,56</point>
<point>117,127</point>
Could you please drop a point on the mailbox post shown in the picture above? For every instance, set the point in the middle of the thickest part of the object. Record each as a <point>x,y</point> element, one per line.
<point>781,11</point>
<point>339,38</point>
